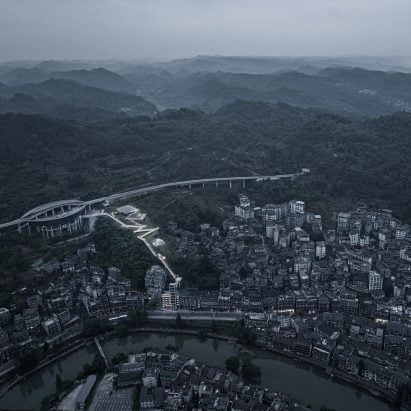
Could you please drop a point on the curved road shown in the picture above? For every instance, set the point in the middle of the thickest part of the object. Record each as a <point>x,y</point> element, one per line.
<point>146,190</point>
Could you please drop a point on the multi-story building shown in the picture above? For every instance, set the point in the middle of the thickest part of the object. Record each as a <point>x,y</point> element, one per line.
<point>31,318</point>
<point>375,281</point>
<point>174,297</point>
<point>354,238</point>
<point>51,327</point>
<point>296,207</point>
<point>244,212</point>
<point>155,281</point>
<point>320,249</point>
<point>134,300</point>
<point>401,232</point>
<point>4,316</point>
<point>343,221</point>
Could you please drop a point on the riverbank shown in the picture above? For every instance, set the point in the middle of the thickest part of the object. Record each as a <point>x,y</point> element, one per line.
<point>376,391</point>
<point>173,331</point>
<point>18,378</point>
<point>80,344</point>
<point>278,372</point>
<point>380,394</point>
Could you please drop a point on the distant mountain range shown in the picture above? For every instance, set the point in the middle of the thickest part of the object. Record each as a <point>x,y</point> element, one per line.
<point>270,65</point>
<point>238,64</point>
<point>71,99</point>
<point>206,83</point>
<point>98,77</point>
<point>90,128</point>
<point>342,90</point>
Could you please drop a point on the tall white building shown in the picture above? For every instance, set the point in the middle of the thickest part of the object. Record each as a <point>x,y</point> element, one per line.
<point>375,281</point>
<point>296,207</point>
<point>400,233</point>
<point>320,249</point>
<point>174,297</point>
<point>4,316</point>
<point>354,238</point>
<point>269,230</point>
<point>246,213</point>
<point>342,220</point>
<point>244,201</point>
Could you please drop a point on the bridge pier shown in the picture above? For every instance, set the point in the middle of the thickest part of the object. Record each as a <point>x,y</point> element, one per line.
<point>189,186</point>
<point>34,215</point>
<point>101,351</point>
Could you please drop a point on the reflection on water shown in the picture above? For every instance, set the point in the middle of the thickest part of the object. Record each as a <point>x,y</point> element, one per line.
<point>312,385</point>
<point>215,344</point>
<point>29,393</point>
<point>179,341</point>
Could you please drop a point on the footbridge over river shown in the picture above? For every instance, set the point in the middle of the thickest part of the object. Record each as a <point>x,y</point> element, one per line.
<point>101,351</point>
<point>65,216</point>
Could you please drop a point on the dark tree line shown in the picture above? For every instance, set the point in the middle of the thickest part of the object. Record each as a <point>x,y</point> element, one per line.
<point>121,248</point>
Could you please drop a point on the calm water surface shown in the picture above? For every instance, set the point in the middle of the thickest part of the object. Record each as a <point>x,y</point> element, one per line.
<point>309,384</point>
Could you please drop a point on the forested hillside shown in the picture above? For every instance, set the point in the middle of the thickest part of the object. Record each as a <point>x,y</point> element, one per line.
<point>44,158</point>
<point>71,99</point>
<point>353,92</point>
<point>204,83</point>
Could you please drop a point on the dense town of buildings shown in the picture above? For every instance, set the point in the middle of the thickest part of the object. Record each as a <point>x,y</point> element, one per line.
<point>171,381</point>
<point>338,296</point>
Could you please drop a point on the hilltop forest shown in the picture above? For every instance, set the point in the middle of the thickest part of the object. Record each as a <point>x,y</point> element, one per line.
<point>44,158</point>
<point>78,129</point>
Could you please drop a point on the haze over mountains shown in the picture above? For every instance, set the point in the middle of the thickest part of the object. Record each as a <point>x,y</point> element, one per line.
<point>107,126</point>
<point>206,83</point>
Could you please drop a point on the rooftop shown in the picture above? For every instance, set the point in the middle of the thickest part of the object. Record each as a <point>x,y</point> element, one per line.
<point>86,389</point>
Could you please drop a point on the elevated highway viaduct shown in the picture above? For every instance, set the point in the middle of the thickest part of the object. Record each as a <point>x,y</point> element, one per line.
<point>64,216</point>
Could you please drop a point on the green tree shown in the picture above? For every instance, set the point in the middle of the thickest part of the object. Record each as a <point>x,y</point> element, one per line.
<point>122,330</point>
<point>202,334</point>
<point>403,395</point>
<point>97,366</point>
<point>244,334</point>
<point>47,402</point>
<point>136,398</point>
<point>214,326</point>
<point>232,364</point>
<point>96,326</point>
<point>121,248</point>
<point>137,318</point>
<point>180,324</point>
<point>29,360</point>
<point>250,371</point>
<point>119,358</point>
<point>59,383</point>
<point>361,367</point>
<point>170,347</point>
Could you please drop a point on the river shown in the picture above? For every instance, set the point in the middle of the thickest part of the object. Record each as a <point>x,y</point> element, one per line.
<point>309,384</point>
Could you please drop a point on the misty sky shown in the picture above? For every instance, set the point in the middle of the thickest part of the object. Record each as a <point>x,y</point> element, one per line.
<point>137,29</point>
